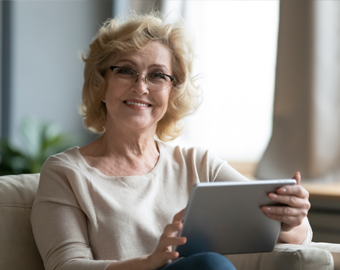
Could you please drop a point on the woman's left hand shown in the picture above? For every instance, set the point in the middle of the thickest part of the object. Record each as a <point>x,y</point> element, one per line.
<point>296,199</point>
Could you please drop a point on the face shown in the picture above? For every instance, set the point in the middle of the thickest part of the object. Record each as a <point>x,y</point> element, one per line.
<point>132,106</point>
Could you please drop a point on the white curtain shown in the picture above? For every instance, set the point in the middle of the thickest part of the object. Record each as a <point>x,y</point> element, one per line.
<point>306,122</point>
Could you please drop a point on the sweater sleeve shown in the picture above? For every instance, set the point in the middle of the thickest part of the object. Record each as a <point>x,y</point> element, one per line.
<point>309,235</point>
<point>208,167</point>
<point>228,173</point>
<point>59,224</point>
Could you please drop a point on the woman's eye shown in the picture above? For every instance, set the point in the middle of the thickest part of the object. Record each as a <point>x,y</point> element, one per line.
<point>125,71</point>
<point>157,75</point>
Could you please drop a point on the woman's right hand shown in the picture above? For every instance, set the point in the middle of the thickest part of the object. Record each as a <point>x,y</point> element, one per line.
<point>163,253</point>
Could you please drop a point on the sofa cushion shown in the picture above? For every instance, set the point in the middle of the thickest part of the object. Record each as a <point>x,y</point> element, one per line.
<point>19,190</point>
<point>18,249</point>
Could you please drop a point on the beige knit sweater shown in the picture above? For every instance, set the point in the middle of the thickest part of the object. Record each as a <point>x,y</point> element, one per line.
<point>83,219</point>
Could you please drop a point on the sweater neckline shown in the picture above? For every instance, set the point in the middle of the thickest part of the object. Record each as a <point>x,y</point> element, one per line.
<point>98,172</point>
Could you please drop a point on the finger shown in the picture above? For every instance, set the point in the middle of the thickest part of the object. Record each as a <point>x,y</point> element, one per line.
<point>297,177</point>
<point>178,216</point>
<point>171,241</point>
<point>291,221</point>
<point>284,211</point>
<point>170,229</point>
<point>296,190</point>
<point>166,257</point>
<point>169,255</point>
<point>292,201</point>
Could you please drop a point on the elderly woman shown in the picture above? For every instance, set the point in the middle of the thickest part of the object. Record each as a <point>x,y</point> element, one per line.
<point>116,203</point>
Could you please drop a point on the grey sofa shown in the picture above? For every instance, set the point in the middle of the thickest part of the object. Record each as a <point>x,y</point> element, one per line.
<point>19,251</point>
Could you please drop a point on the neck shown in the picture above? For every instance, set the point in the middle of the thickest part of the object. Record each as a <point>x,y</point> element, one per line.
<point>129,143</point>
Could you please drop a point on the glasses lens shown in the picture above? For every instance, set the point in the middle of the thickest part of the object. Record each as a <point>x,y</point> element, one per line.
<point>158,81</point>
<point>125,74</point>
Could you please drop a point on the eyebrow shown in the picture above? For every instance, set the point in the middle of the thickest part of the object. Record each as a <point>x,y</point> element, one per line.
<point>126,60</point>
<point>154,65</point>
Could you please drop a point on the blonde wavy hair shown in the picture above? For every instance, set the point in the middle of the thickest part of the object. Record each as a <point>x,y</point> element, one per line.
<point>116,37</point>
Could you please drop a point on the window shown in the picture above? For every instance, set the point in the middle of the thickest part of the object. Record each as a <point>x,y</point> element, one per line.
<point>236,44</point>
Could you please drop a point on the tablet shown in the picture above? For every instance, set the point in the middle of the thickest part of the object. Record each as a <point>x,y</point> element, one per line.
<point>226,217</point>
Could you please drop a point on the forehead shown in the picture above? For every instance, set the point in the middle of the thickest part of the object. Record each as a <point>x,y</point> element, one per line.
<point>155,53</point>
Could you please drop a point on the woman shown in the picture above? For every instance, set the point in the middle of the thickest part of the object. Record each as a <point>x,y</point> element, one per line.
<point>116,203</point>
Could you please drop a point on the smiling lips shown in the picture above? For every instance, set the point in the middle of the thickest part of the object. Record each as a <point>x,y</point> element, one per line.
<point>137,103</point>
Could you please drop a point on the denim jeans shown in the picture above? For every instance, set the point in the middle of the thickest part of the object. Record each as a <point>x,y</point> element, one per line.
<point>200,261</point>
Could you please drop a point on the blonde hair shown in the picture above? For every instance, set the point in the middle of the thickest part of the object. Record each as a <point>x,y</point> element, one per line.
<point>116,37</point>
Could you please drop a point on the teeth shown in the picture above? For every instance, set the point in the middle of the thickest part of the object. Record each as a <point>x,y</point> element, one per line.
<point>136,103</point>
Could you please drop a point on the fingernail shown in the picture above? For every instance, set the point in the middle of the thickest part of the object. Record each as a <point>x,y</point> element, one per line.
<point>273,195</point>
<point>283,190</point>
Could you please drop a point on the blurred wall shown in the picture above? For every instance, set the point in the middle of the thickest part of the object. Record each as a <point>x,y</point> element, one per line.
<point>123,7</point>
<point>1,92</point>
<point>46,71</point>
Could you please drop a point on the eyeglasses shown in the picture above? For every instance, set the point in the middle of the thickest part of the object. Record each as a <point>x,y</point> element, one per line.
<point>156,81</point>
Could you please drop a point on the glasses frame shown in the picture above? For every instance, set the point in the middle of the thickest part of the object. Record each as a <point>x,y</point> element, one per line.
<point>172,79</point>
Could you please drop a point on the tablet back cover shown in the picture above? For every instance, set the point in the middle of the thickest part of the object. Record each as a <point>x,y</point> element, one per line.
<point>227,219</point>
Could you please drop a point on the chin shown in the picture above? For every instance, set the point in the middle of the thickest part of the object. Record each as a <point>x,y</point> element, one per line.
<point>140,126</point>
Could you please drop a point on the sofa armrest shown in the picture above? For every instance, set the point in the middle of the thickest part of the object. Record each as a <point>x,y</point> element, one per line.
<point>286,256</point>
<point>334,249</point>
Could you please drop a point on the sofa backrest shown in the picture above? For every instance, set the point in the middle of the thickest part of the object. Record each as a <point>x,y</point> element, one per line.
<point>17,246</point>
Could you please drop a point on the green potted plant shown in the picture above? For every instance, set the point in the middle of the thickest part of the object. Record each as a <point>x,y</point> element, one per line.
<point>38,141</point>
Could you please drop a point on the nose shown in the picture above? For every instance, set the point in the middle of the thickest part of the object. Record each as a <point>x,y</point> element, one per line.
<point>140,86</point>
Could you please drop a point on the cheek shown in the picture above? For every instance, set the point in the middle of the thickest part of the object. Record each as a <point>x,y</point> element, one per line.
<point>164,104</point>
<point>165,100</point>
<point>113,95</point>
